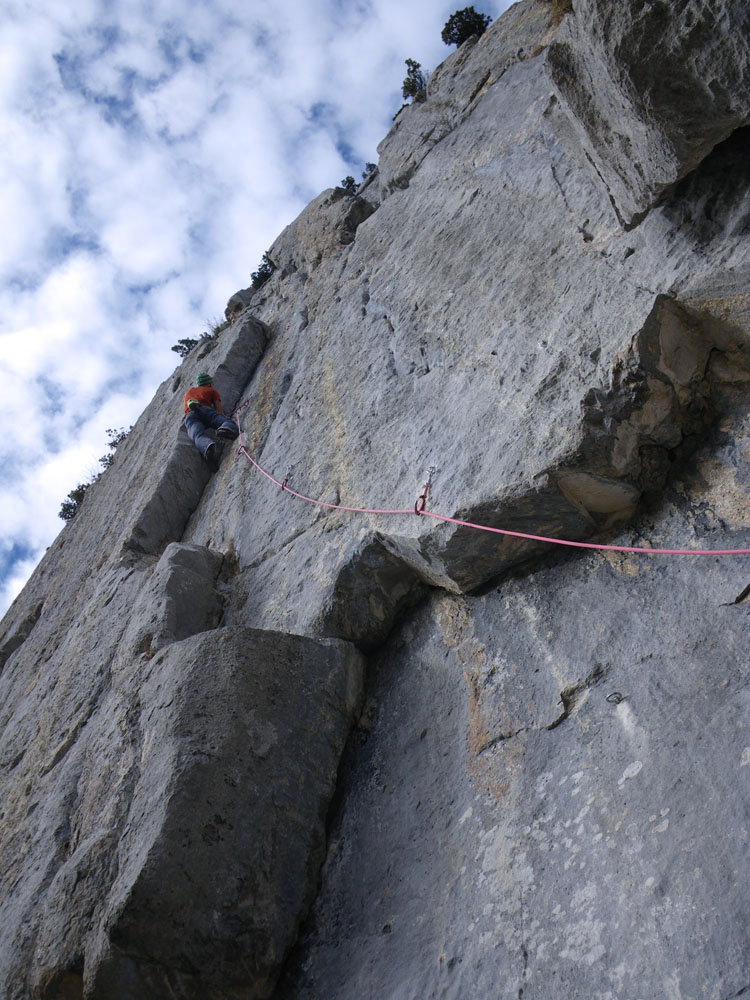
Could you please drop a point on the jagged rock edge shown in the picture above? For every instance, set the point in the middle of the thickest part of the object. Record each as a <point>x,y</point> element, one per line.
<point>594,492</point>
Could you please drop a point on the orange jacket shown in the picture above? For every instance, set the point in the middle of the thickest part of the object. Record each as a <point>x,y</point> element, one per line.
<point>206,396</point>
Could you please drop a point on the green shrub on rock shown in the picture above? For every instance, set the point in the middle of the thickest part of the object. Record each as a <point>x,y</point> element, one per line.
<point>264,272</point>
<point>463,24</point>
<point>415,80</point>
<point>184,346</point>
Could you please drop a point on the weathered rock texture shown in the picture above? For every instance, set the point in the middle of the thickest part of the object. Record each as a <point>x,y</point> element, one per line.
<point>653,88</point>
<point>542,295</point>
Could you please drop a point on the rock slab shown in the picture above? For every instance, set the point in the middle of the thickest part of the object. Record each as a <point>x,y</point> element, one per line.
<point>541,295</point>
<point>177,839</point>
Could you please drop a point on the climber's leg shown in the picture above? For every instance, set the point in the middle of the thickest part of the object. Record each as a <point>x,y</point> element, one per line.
<point>195,425</point>
<point>223,425</point>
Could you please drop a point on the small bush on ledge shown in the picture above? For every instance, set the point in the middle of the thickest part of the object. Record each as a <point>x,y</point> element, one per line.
<point>69,507</point>
<point>265,270</point>
<point>415,81</point>
<point>184,346</point>
<point>463,24</point>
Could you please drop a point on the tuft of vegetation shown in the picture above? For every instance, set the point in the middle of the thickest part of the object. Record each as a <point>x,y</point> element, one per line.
<point>265,270</point>
<point>215,326</point>
<point>559,8</point>
<point>115,437</point>
<point>349,184</point>
<point>184,347</point>
<point>463,24</point>
<point>415,81</point>
<point>69,508</point>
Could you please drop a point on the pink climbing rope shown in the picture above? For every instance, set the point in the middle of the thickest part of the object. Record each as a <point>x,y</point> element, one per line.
<point>419,509</point>
<point>592,545</point>
<point>319,503</point>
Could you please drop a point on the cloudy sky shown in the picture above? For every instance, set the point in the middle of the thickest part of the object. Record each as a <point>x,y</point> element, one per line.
<point>150,151</point>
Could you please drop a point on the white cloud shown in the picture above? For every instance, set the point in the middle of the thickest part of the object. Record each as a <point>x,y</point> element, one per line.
<point>148,158</point>
<point>178,107</point>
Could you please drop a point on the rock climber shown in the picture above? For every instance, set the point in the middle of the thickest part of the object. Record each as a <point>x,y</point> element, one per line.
<point>203,410</point>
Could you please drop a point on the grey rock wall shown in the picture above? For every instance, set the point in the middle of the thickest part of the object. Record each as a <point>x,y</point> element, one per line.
<point>541,296</point>
<point>652,88</point>
<point>548,795</point>
<point>177,830</point>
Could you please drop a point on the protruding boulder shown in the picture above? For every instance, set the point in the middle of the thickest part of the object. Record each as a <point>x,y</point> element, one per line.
<point>182,829</point>
<point>651,89</point>
<point>328,224</point>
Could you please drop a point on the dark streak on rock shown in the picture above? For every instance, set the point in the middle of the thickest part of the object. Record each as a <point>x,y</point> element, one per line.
<point>570,696</point>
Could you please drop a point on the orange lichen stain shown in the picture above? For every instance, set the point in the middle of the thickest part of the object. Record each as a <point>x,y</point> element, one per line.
<point>483,763</point>
<point>621,563</point>
<point>492,762</point>
<point>331,391</point>
<point>254,422</point>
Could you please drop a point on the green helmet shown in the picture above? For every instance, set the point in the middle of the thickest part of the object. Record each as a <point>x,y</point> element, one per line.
<point>203,379</point>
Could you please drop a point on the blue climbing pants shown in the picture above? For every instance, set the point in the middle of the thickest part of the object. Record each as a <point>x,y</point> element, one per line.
<point>199,419</point>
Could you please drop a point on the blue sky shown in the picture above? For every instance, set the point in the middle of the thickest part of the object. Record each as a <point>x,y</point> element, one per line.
<point>151,151</point>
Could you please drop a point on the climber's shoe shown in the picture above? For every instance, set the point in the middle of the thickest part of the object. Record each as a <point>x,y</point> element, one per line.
<point>227,432</point>
<point>213,456</point>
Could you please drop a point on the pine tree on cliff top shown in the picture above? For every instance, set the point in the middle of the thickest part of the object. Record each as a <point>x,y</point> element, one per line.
<point>463,24</point>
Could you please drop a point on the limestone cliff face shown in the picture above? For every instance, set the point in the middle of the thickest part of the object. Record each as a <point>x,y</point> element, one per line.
<point>253,747</point>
